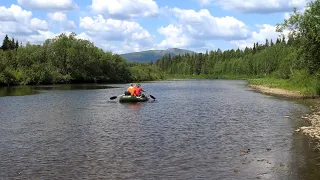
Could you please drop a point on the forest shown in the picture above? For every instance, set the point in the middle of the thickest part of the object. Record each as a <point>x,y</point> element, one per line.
<point>65,59</point>
<point>291,62</point>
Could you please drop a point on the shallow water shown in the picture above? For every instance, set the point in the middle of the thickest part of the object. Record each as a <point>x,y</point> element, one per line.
<point>196,129</point>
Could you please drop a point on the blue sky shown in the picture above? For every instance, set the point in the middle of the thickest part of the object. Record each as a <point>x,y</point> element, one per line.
<point>123,26</point>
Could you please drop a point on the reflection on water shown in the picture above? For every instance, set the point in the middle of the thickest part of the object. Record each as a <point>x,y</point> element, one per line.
<point>134,105</point>
<point>30,90</point>
<point>17,91</point>
<point>194,130</point>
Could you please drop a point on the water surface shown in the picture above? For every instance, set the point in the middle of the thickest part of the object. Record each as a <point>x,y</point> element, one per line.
<point>196,129</point>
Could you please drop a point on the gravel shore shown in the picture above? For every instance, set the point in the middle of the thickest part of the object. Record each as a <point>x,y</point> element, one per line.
<point>314,117</point>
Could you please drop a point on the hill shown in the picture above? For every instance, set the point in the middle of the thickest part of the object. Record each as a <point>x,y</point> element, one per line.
<point>153,55</point>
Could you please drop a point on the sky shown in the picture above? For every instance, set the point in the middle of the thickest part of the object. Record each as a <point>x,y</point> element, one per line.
<point>123,26</point>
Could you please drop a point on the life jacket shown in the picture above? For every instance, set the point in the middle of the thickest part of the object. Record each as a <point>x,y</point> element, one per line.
<point>138,91</point>
<point>131,90</point>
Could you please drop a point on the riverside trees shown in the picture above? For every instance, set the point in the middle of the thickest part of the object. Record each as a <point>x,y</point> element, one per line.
<point>261,60</point>
<point>63,59</point>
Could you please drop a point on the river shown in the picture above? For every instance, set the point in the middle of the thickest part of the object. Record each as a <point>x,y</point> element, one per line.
<point>195,129</point>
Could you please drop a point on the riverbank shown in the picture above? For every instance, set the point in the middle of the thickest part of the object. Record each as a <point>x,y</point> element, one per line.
<point>314,117</point>
<point>277,91</point>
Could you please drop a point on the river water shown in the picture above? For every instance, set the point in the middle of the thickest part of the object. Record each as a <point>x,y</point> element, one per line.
<point>195,129</point>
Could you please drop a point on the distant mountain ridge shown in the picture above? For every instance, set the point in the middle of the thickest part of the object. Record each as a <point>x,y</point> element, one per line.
<point>153,55</point>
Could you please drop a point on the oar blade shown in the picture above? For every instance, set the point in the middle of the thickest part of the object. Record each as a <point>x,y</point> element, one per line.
<point>113,97</point>
<point>152,96</point>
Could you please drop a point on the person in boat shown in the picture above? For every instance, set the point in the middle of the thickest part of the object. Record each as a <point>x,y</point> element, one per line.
<point>130,90</point>
<point>138,90</point>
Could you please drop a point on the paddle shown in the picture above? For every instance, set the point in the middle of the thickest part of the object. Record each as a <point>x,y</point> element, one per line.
<point>115,97</point>
<point>150,95</point>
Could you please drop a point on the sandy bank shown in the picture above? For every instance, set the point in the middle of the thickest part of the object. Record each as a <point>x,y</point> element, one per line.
<point>314,117</point>
<point>278,92</point>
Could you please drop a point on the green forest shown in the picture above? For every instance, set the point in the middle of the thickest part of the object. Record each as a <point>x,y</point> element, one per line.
<point>291,62</point>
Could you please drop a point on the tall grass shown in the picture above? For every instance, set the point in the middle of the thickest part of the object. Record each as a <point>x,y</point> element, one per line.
<point>299,81</point>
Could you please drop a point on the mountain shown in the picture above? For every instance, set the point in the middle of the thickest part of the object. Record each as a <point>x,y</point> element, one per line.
<point>153,55</point>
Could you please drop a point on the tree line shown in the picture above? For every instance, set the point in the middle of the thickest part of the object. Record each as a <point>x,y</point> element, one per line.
<point>260,60</point>
<point>63,59</point>
<point>66,59</point>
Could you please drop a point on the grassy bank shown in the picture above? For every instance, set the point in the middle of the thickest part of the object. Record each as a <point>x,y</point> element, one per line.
<point>306,85</point>
<point>204,76</point>
<point>300,81</point>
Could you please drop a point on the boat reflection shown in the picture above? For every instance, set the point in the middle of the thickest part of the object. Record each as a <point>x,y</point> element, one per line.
<point>136,105</point>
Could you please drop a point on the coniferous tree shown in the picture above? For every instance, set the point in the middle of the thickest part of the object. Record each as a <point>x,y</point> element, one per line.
<point>17,44</point>
<point>257,46</point>
<point>6,43</point>
<point>267,43</point>
<point>12,44</point>
<point>283,40</point>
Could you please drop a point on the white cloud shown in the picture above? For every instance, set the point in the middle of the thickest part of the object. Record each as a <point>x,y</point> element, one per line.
<point>174,37</point>
<point>286,15</point>
<point>6,14</point>
<point>41,37</point>
<point>15,13</point>
<point>57,16</point>
<point>205,2</point>
<point>266,31</point>
<point>53,5</point>
<point>14,28</point>
<point>196,29</point>
<point>127,36</point>
<point>202,24</point>
<point>63,20</point>
<point>256,6</point>
<point>84,36</point>
<point>18,23</point>
<point>123,9</point>
<point>123,47</point>
<point>110,47</point>
<point>114,30</point>
<point>39,24</point>
<point>69,25</point>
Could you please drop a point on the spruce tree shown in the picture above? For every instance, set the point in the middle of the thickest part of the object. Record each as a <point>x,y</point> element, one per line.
<point>6,43</point>
<point>271,43</point>
<point>17,44</point>
<point>12,44</point>
<point>267,43</point>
